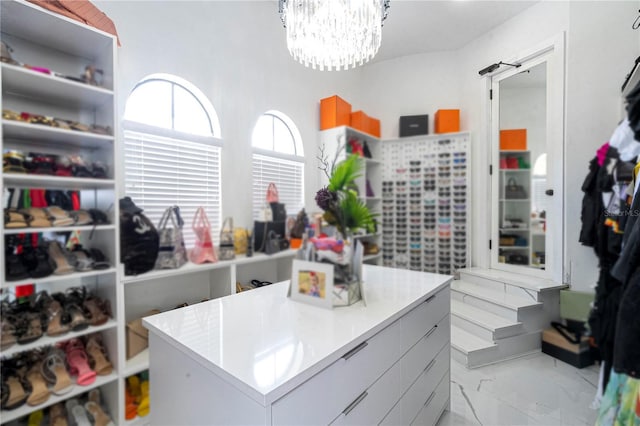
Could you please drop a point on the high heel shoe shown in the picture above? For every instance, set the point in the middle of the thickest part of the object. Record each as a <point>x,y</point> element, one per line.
<point>98,355</point>
<point>55,372</point>
<point>78,362</point>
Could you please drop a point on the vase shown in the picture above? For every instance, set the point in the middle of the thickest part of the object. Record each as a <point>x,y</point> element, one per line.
<point>347,284</point>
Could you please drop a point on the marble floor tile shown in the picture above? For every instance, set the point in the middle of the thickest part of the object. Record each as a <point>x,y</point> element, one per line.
<point>532,390</point>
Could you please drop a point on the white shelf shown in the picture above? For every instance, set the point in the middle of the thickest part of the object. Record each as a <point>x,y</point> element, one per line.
<point>367,235</point>
<point>9,415</point>
<point>514,247</point>
<point>515,170</point>
<point>46,134</point>
<point>63,182</point>
<point>349,130</point>
<point>61,91</point>
<point>58,278</point>
<point>138,421</point>
<point>514,229</point>
<point>190,268</point>
<point>53,30</point>
<point>14,231</point>
<point>137,364</point>
<point>47,340</point>
<point>372,162</point>
<point>373,198</point>
<point>514,200</point>
<point>514,151</point>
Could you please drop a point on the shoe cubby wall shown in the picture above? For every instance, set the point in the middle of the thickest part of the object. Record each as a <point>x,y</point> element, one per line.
<point>330,141</point>
<point>39,38</point>
<point>425,202</point>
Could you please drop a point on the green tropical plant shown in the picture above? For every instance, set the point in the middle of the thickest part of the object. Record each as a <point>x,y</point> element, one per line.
<point>339,199</point>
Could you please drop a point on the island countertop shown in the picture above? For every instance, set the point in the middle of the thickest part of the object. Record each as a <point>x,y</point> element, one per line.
<point>265,344</point>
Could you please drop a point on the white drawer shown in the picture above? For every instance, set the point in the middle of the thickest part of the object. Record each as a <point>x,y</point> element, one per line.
<point>412,401</point>
<point>371,405</point>
<point>414,361</point>
<point>323,397</point>
<point>424,316</point>
<point>434,406</point>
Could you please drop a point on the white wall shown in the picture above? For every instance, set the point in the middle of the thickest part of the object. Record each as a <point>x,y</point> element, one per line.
<point>602,49</point>
<point>235,52</point>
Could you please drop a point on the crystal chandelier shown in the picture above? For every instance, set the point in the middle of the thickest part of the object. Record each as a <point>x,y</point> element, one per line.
<point>333,34</point>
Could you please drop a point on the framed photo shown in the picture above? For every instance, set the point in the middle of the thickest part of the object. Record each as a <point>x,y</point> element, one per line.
<point>312,283</point>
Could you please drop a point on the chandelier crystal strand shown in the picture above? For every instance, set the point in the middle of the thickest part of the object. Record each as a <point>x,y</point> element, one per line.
<point>333,34</point>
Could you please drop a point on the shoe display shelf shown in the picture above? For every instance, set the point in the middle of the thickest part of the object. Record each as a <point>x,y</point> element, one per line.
<point>331,139</point>
<point>39,38</point>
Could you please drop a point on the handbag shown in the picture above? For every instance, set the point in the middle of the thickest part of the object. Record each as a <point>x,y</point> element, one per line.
<point>278,212</point>
<point>227,251</point>
<point>275,243</point>
<point>172,253</point>
<point>517,259</point>
<point>513,191</point>
<point>204,251</point>
<point>272,193</point>
<point>261,231</point>
<point>240,240</point>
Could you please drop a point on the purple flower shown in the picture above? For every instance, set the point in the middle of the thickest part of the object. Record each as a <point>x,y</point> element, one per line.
<point>325,198</point>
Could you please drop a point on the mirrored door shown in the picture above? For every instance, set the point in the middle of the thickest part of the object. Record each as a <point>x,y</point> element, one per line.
<point>524,213</point>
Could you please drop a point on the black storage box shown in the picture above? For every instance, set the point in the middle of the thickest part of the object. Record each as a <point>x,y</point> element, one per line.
<point>412,125</point>
<point>261,230</point>
<point>555,345</point>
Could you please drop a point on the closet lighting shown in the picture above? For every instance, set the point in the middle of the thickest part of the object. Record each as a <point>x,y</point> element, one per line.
<point>333,34</point>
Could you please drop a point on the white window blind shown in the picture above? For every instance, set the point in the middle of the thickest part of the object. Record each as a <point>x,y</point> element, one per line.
<point>288,175</point>
<point>161,172</point>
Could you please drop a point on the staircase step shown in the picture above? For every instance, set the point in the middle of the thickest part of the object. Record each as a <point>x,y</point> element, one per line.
<point>510,278</point>
<point>509,301</point>
<point>482,323</point>
<point>470,350</point>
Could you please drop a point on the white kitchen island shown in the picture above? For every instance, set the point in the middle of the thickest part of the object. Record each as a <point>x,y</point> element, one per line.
<point>259,357</point>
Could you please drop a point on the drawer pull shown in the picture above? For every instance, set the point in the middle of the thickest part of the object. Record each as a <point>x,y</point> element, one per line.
<point>430,298</point>
<point>430,332</point>
<point>355,350</point>
<point>428,367</point>
<point>430,398</point>
<point>357,401</point>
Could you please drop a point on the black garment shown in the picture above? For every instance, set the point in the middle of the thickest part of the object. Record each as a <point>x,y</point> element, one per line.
<point>591,206</point>
<point>627,341</point>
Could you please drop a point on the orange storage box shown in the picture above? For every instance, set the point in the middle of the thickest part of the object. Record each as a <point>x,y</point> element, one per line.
<point>334,112</point>
<point>374,127</point>
<point>447,121</point>
<point>360,121</point>
<point>513,140</point>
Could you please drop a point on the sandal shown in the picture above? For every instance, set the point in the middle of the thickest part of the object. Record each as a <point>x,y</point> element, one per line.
<point>35,418</point>
<point>98,310</point>
<point>59,217</point>
<point>14,268</point>
<point>84,261</point>
<point>99,170</point>
<point>72,302</point>
<point>55,373</point>
<point>13,162</point>
<point>36,261</point>
<point>16,219</point>
<point>78,362</point>
<point>63,265</point>
<point>15,390</point>
<point>39,217</point>
<point>81,217</point>
<point>8,326</point>
<point>57,319</point>
<point>99,260</point>
<point>39,391</point>
<point>100,418</point>
<point>58,415</point>
<point>98,356</point>
<point>29,328</point>
<point>77,413</point>
<point>99,217</point>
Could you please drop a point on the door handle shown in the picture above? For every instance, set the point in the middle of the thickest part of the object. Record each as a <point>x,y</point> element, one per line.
<point>355,350</point>
<point>549,192</point>
<point>357,401</point>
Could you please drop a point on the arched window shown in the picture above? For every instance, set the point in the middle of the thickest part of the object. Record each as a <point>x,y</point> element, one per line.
<point>278,157</point>
<point>172,150</point>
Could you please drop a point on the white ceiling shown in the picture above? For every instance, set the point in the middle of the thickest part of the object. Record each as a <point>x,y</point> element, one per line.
<point>426,26</point>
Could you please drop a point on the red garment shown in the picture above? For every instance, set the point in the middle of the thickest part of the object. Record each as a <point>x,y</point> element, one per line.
<point>602,153</point>
<point>80,10</point>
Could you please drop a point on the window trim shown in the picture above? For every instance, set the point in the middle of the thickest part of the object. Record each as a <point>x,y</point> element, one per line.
<point>279,155</point>
<point>136,126</point>
<point>298,146</point>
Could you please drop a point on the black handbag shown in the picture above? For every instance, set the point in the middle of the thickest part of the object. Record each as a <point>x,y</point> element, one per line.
<point>278,212</point>
<point>261,230</point>
<point>517,259</point>
<point>275,243</point>
<point>513,191</point>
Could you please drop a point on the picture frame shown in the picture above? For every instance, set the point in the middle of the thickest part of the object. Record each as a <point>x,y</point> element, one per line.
<point>312,283</point>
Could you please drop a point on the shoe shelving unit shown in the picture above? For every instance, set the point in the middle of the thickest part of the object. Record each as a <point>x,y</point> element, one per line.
<point>43,39</point>
<point>331,139</point>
